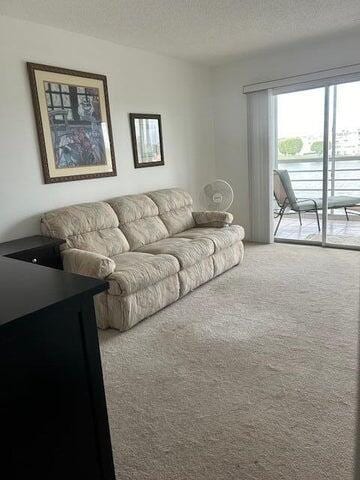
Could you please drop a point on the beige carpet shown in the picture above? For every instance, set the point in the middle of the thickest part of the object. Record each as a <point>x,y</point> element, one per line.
<point>250,377</point>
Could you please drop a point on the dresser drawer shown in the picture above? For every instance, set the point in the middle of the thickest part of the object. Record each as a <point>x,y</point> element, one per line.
<point>48,257</point>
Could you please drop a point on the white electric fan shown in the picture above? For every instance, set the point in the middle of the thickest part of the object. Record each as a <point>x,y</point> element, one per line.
<point>217,196</point>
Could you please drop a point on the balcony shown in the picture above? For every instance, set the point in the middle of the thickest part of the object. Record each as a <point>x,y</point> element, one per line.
<point>306,177</point>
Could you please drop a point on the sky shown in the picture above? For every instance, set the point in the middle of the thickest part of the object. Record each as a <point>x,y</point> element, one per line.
<point>302,113</point>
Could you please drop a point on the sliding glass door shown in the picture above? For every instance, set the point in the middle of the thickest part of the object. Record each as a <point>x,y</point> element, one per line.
<point>343,225</point>
<point>300,132</point>
<point>317,165</point>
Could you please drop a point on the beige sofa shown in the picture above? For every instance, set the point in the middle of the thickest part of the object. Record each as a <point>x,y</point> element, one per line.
<point>151,248</point>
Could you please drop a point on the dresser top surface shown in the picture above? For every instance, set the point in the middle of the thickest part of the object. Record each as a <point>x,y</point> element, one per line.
<point>26,288</point>
<point>28,243</point>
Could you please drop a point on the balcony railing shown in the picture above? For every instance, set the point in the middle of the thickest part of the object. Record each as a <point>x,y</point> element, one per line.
<point>344,175</point>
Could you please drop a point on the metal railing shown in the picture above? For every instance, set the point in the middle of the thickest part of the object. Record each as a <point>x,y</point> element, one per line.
<point>336,175</point>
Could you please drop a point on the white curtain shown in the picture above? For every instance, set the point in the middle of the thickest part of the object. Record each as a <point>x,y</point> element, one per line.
<point>261,140</point>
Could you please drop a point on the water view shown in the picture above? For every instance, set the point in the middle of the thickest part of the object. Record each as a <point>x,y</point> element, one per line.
<point>300,127</point>
<point>306,176</point>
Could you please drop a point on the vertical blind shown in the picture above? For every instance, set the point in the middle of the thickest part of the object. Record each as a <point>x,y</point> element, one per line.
<point>261,136</point>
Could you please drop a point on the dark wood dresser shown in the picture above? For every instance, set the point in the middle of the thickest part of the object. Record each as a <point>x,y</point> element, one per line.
<point>36,249</point>
<point>53,417</point>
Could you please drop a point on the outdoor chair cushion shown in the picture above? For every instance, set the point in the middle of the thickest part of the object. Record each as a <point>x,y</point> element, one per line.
<point>284,192</point>
<point>338,201</point>
<point>284,189</point>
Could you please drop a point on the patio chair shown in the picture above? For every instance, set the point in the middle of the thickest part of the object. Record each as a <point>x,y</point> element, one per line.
<point>286,199</point>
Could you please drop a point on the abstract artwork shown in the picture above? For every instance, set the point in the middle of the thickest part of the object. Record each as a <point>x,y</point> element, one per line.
<point>73,122</point>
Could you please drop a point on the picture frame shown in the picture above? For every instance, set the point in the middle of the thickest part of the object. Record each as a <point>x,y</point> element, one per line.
<point>72,116</point>
<point>146,139</point>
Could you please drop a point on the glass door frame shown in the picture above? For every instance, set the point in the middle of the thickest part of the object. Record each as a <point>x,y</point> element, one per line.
<point>325,173</point>
<point>325,158</point>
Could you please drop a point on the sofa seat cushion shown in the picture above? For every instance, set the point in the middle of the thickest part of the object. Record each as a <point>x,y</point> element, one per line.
<point>221,237</point>
<point>135,271</point>
<point>188,251</point>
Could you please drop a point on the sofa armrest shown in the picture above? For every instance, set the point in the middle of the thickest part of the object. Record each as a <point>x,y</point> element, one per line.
<point>212,219</point>
<point>87,263</point>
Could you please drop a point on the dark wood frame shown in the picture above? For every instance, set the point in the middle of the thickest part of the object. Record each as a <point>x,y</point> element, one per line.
<point>132,117</point>
<point>32,67</point>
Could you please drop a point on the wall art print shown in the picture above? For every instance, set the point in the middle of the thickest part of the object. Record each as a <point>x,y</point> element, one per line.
<point>73,122</point>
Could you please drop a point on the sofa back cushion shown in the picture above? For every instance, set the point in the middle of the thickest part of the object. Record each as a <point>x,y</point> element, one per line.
<point>175,209</point>
<point>139,220</point>
<point>90,226</point>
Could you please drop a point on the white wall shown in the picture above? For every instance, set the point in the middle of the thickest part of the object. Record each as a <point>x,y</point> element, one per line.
<point>230,104</point>
<point>142,82</point>
<point>138,82</point>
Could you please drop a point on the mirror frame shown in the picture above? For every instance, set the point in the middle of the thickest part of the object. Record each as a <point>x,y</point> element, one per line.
<point>133,117</point>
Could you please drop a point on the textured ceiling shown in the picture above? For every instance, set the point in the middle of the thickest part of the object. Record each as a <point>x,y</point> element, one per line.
<point>207,31</point>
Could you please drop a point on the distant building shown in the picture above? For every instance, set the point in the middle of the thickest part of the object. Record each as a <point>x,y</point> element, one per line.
<point>347,143</point>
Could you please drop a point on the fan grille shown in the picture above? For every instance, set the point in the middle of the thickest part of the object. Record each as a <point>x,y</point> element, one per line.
<point>217,195</point>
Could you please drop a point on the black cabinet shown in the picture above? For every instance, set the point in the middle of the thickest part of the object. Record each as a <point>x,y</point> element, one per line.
<point>36,249</point>
<point>53,417</point>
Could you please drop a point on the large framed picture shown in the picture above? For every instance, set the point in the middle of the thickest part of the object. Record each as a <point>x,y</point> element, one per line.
<point>73,122</point>
<point>146,137</point>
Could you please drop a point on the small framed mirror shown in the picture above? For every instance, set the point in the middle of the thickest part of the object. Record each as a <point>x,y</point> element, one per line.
<point>146,137</point>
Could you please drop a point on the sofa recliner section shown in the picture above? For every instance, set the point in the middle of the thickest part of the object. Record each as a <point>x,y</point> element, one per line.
<point>140,271</point>
<point>151,248</point>
<point>139,219</point>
